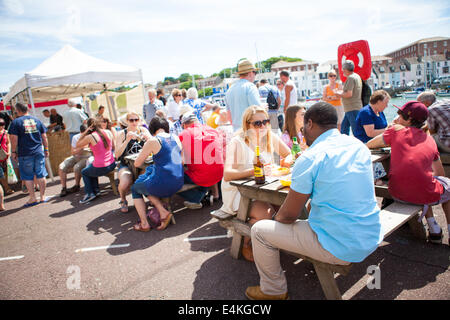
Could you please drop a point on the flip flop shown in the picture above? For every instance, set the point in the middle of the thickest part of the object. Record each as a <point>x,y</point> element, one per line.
<point>165,222</point>
<point>27,205</point>
<point>46,199</point>
<point>138,227</point>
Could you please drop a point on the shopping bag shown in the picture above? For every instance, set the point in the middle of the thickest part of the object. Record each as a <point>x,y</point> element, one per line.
<point>12,179</point>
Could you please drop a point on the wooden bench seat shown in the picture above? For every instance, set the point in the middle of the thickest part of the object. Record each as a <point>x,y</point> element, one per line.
<point>168,200</point>
<point>391,218</point>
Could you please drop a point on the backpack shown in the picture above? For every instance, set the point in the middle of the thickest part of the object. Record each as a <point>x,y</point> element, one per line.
<point>272,101</point>
<point>366,92</point>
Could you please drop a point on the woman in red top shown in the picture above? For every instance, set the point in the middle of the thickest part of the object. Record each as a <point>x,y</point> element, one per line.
<point>416,173</point>
<point>5,144</point>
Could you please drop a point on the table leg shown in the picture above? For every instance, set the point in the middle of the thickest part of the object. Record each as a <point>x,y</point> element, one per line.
<point>237,242</point>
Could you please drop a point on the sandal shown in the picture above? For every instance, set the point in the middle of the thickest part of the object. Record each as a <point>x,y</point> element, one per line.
<point>123,206</point>
<point>138,227</point>
<point>165,222</point>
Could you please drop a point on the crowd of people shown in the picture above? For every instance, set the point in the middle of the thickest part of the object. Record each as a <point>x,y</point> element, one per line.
<point>191,141</point>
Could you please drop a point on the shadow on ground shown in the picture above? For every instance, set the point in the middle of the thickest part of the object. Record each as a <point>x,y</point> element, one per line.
<point>405,264</point>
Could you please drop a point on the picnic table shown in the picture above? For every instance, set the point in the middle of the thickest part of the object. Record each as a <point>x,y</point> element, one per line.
<point>136,171</point>
<point>392,217</point>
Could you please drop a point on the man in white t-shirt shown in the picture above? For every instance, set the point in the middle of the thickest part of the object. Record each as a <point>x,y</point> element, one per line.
<point>290,91</point>
<point>77,161</point>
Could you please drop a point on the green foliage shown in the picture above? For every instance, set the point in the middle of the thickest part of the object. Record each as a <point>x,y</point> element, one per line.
<point>205,92</point>
<point>186,78</point>
<point>186,85</point>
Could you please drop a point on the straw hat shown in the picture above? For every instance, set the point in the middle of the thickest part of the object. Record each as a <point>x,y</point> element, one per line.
<point>245,66</point>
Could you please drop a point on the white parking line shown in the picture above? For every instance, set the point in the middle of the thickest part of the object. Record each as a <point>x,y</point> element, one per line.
<point>205,238</point>
<point>11,258</point>
<point>103,247</point>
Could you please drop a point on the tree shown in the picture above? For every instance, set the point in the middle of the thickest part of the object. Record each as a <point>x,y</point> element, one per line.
<point>184,77</point>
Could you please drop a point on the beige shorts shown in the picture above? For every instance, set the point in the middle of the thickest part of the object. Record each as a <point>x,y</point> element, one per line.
<point>77,163</point>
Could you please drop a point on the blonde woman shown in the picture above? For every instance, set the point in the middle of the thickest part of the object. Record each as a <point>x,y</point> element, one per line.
<point>129,141</point>
<point>330,97</point>
<point>256,131</point>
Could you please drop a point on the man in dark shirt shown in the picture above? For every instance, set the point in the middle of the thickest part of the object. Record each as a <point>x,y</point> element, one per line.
<point>56,121</point>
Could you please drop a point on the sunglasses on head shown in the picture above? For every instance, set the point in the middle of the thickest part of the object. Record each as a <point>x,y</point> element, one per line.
<point>260,123</point>
<point>133,120</point>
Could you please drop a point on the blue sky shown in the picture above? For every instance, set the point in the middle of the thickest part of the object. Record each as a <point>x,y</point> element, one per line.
<point>167,38</point>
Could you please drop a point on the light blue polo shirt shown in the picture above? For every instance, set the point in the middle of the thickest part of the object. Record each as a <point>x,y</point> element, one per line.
<point>337,171</point>
<point>239,97</point>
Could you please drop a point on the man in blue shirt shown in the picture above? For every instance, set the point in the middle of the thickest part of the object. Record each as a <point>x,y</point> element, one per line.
<point>242,94</point>
<point>343,224</point>
<point>264,88</point>
<point>28,136</point>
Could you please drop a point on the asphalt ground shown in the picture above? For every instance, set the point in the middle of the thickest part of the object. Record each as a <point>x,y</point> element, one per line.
<point>66,250</point>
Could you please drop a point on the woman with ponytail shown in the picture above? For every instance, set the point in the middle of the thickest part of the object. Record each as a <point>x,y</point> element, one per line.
<point>101,142</point>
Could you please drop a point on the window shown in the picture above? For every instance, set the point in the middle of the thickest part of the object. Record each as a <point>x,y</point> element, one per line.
<point>434,52</point>
<point>435,44</point>
<point>424,45</point>
<point>445,43</point>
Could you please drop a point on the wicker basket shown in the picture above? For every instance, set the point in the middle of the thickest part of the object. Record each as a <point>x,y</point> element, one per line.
<point>59,148</point>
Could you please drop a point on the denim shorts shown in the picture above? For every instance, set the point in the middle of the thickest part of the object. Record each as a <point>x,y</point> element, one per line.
<point>30,166</point>
<point>2,173</point>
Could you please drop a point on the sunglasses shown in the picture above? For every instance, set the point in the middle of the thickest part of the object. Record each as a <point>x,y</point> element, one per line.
<point>260,123</point>
<point>2,124</point>
<point>133,120</point>
<point>177,95</point>
<point>331,76</point>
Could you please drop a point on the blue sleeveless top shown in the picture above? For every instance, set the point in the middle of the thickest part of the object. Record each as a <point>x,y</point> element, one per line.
<point>166,176</point>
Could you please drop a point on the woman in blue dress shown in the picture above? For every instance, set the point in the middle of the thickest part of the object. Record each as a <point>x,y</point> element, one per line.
<point>161,179</point>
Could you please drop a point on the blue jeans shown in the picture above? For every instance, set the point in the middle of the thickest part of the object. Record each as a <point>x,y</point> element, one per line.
<point>349,121</point>
<point>194,195</point>
<point>30,166</point>
<point>90,176</point>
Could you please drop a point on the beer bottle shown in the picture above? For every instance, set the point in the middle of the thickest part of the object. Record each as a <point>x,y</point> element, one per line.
<point>295,148</point>
<point>258,168</point>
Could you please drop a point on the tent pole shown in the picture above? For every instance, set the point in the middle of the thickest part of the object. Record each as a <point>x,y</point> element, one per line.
<point>143,86</point>
<point>30,98</point>
<point>109,103</point>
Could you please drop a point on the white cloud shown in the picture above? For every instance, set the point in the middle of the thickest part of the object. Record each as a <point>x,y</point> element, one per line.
<point>13,7</point>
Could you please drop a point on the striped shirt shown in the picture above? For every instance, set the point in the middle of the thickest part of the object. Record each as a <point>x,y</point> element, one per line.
<point>439,120</point>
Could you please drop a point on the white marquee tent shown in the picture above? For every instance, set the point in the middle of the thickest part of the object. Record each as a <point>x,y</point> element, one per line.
<point>71,73</point>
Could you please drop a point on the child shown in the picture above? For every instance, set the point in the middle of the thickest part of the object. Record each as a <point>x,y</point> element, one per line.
<point>416,174</point>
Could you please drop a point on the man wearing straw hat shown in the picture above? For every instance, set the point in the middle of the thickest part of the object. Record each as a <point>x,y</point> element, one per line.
<point>243,93</point>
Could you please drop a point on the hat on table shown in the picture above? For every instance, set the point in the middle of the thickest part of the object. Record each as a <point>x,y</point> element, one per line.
<point>415,110</point>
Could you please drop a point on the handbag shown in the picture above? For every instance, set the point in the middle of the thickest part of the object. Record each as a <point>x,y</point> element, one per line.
<point>3,154</point>
<point>12,178</point>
